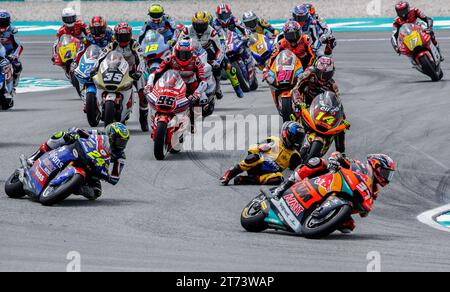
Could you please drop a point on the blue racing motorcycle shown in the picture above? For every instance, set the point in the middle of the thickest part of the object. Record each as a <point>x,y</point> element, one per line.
<point>6,81</point>
<point>61,172</point>
<point>89,90</point>
<point>155,50</point>
<point>241,59</point>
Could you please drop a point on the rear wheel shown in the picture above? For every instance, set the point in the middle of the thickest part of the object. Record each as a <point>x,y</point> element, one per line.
<point>6,103</point>
<point>252,217</point>
<point>110,112</point>
<point>254,86</point>
<point>160,149</point>
<point>14,187</point>
<point>315,228</point>
<point>286,109</point>
<point>92,112</point>
<point>54,195</point>
<point>245,84</point>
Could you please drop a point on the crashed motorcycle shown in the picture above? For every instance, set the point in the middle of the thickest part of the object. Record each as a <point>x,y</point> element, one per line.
<point>415,43</point>
<point>282,78</point>
<point>313,208</point>
<point>170,114</point>
<point>114,100</point>
<point>240,58</point>
<point>59,173</point>
<point>89,90</point>
<point>6,81</point>
<point>323,122</point>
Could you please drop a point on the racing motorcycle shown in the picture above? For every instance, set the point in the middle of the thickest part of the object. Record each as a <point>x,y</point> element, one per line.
<point>170,117</point>
<point>243,62</point>
<point>261,47</point>
<point>114,100</point>
<point>208,104</point>
<point>322,122</point>
<point>59,173</point>
<point>66,52</point>
<point>313,208</point>
<point>415,43</point>
<point>282,78</point>
<point>155,50</point>
<point>6,81</point>
<point>89,91</point>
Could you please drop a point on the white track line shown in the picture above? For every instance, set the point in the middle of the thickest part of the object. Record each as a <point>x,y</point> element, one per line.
<point>429,218</point>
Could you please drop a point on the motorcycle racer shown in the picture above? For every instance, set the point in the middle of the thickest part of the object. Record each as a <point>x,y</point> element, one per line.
<point>266,162</point>
<point>407,15</point>
<point>206,37</point>
<point>13,47</point>
<point>321,35</point>
<point>72,25</point>
<point>378,169</point>
<point>161,22</point>
<point>317,79</point>
<point>225,20</point>
<point>115,139</point>
<point>296,42</point>
<point>191,69</point>
<point>131,50</point>
<point>258,25</point>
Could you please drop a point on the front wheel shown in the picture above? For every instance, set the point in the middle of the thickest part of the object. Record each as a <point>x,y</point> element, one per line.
<point>75,83</point>
<point>161,147</point>
<point>245,84</point>
<point>430,68</point>
<point>253,217</point>
<point>92,112</point>
<point>54,195</point>
<point>14,187</point>
<point>110,112</point>
<point>254,86</point>
<point>286,109</point>
<point>314,228</point>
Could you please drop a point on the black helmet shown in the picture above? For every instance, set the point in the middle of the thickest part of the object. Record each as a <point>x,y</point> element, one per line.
<point>293,135</point>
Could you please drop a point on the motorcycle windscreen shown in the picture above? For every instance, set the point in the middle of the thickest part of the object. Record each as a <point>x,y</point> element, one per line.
<point>153,43</point>
<point>93,52</point>
<point>327,111</point>
<point>171,79</point>
<point>285,66</point>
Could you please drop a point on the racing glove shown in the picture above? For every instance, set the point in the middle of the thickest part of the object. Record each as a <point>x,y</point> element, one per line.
<point>171,43</point>
<point>333,164</point>
<point>347,124</point>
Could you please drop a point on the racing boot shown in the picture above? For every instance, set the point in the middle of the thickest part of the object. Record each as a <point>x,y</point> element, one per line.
<point>232,76</point>
<point>230,174</point>
<point>219,94</point>
<point>143,111</point>
<point>239,91</point>
<point>38,154</point>
<point>348,226</point>
<point>91,191</point>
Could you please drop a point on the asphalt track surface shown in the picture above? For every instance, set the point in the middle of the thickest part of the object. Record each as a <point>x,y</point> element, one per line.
<point>175,216</point>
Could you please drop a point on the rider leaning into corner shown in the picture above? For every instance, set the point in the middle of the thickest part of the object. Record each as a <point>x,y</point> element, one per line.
<point>407,15</point>
<point>206,37</point>
<point>379,168</point>
<point>11,44</point>
<point>266,162</point>
<point>131,51</point>
<point>160,22</point>
<point>115,136</point>
<point>191,69</point>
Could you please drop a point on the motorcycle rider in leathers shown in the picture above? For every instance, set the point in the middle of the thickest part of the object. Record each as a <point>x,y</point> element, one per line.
<point>131,51</point>
<point>379,168</point>
<point>206,37</point>
<point>266,162</point>
<point>160,22</point>
<point>115,139</point>
<point>191,69</point>
<point>13,48</point>
<point>258,25</point>
<point>407,15</point>
<point>323,41</point>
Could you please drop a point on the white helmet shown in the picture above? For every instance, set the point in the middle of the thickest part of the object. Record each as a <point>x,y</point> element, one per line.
<point>69,17</point>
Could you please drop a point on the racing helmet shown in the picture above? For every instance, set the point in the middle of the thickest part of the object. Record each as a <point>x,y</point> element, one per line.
<point>301,14</point>
<point>5,20</point>
<point>118,135</point>
<point>292,32</point>
<point>123,34</point>
<point>293,135</point>
<point>325,69</point>
<point>223,13</point>
<point>250,20</point>
<point>200,22</point>
<point>383,168</point>
<point>403,9</point>
<point>97,27</point>
<point>69,17</point>
<point>184,51</point>
<point>156,13</point>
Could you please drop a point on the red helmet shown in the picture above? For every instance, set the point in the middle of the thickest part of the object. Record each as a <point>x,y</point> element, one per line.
<point>383,168</point>
<point>223,13</point>
<point>292,32</point>
<point>402,9</point>
<point>97,27</point>
<point>325,69</point>
<point>184,51</point>
<point>123,34</point>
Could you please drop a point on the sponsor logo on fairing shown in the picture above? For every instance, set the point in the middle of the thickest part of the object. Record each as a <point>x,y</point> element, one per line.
<point>294,205</point>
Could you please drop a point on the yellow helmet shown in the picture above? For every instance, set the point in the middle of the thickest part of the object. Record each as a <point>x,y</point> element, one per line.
<point>156,13</point>
<point>200,22</point>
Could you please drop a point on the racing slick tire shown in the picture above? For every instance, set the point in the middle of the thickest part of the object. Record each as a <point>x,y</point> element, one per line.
<point>92,112</point>
<point>430,69</point>
<point>245,84</point>
<point>286,109</point>
<point>51,195</point>
<point>14,187</point>
<point>110,112</point>
<point>252,217</point>
<point>331,224</point>
<point>160,147</point>
<point>254,86</point>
